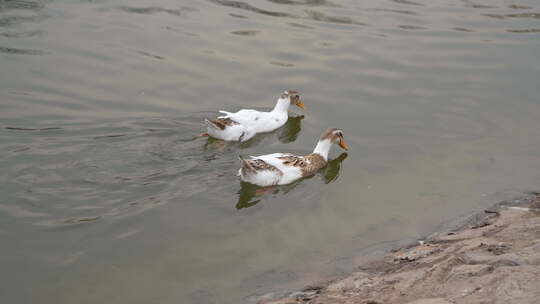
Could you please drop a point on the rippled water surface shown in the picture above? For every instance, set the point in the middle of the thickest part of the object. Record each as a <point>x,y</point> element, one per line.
<point>108,195</point>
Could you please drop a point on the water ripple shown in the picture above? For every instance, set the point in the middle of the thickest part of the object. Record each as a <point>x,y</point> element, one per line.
<point>151,55</point>
<point>238,16</point>
<point>21,4</point>
<point>407,2</point>
<point>519,7</point>
<point>249,7</point>
<point>510,16</point>
<point>33,129</point>
<point>412,27</point>
<point>11,20</point>
<point>462,29</point>
<point>282,64</point>
<point>150,10</point>
<point>310,14</point>
<point>319,16</point>
<point>404,12</point>
<point>533,30</point>
<point>305,2</point>
<point>16,51</point>
<point>471,4</point>
<point>22,34</point>
<point>246,32</point>
<point>300,25</point>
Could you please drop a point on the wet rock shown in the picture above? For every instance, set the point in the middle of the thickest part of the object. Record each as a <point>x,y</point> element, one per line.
<point>430,301</point>
<point>466,271</point>
<point>354,281</point>
<point>417,252</point>
<point>509,259</point>
<point>496,249</point>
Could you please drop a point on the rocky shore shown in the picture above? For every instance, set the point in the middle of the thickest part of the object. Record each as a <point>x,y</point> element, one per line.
<point>492,257</point>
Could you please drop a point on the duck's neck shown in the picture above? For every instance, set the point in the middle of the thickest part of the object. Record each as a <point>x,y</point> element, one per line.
<point>282,106</point>
<point>323,148</point>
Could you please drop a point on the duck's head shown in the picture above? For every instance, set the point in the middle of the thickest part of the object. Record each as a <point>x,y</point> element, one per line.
<point>293,98</point>
<point>336,137</point>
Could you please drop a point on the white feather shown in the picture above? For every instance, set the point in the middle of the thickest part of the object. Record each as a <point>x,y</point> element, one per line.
<point>262,178</point>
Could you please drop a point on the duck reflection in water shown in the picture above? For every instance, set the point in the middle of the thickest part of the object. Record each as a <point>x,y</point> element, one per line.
<point>286,134</point>
<point>250,195</point>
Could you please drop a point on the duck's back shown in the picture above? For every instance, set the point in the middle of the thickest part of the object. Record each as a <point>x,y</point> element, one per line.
<point>260,121</point>
<point>289,172</point>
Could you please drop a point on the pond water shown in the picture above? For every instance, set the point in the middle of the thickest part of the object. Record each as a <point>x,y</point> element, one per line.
<point>108,194</point>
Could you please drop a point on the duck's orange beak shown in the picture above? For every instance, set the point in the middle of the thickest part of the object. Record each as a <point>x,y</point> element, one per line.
<point>300,104</point>
<point>343,144</point>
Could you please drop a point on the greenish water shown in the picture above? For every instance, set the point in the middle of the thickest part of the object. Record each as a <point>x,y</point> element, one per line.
<point>109,196</point>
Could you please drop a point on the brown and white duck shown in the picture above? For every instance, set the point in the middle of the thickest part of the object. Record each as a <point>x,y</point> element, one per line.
<point>285,168</point>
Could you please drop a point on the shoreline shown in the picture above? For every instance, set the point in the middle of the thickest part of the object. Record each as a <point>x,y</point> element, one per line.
<point>491,256</point>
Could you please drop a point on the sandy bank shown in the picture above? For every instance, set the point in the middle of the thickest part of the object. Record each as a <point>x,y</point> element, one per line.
<point>493,257</point>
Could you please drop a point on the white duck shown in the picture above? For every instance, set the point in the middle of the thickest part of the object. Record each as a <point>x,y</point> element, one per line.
<point>244,124</point>
<point>284,168</point>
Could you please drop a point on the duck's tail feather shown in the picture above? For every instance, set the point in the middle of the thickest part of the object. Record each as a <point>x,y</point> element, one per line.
<point>211,124</point>
<point>247,167</point>
<point>226,114</point>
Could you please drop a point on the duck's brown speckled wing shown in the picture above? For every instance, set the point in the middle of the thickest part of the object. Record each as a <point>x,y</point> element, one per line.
<point>254,165</point>
<point>308,164</point>
<point>293,160</point>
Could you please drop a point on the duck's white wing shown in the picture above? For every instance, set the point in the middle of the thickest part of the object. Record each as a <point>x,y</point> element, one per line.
<point>246,117</point>
<point>271,157</point>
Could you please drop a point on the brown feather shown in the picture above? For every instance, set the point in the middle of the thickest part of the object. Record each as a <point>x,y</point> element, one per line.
<point>308,164</point>
<point>316,162</point>
<point>254,165</point>
<point>329,134</point>
<point>222,123</point>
